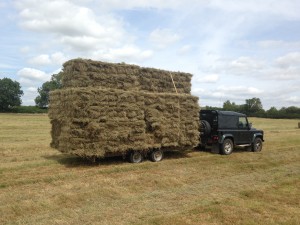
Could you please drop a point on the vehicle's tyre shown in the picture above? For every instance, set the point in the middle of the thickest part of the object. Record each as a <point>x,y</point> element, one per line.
<point>205,127</point>
<point>227,147</point>
<point>156,155</point>
<point>135,157</point>
<point>257,145</point>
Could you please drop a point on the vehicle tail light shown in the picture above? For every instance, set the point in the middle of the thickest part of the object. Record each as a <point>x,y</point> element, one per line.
<point>215,138</point>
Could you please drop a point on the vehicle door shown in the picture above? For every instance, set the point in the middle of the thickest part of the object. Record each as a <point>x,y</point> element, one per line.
<point>244,134</point>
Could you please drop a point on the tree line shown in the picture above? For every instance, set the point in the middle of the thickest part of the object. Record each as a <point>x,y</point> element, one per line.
<point>253,107</point>
<point>11,93</point>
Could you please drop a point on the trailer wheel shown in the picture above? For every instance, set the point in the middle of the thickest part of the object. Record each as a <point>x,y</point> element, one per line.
<point>156,155</point>
<point>135,157</point>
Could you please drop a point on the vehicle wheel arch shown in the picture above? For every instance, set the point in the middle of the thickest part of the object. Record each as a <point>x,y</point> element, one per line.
<point>258,135</point>
<point>227,136</point>
<point>257,144</point>
<point>227,146</point>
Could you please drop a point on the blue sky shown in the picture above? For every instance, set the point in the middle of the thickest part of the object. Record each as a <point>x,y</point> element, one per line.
<point>235,49</point>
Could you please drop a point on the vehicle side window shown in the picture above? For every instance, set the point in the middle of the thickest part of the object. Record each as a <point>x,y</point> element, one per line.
<point>228,122</point>
<point>243,123</point>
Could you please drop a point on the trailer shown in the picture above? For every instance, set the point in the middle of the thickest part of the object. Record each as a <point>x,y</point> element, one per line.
<point>107,109</point>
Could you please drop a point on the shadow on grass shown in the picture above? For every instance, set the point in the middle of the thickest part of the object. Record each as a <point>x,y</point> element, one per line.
<point>76,161</point>
<point>176,154</point>
<point>236,149</point>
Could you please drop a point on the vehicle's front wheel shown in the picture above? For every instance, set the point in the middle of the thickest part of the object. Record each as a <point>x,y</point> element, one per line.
<point>227,147</point>
<point>135,157</point>
<point>257,145</point>
<point>156,155</point>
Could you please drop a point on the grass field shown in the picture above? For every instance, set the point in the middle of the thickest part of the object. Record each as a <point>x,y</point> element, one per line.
<point>39,185</point>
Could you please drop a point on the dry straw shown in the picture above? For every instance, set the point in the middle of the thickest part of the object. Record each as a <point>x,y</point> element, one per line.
<point>88,73</point>
<point>90,118</point>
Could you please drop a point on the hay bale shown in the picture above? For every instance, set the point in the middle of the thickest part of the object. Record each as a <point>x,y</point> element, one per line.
<point>88,73</point>
<point>108,108</point>
<point>96,121</point>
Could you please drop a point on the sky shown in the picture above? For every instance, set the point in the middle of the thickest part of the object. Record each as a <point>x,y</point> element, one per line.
<point>235,49</point>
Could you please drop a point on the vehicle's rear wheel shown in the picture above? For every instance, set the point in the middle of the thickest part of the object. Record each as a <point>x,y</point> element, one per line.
<point>257,145</point>
<point>227,147</point>
<point>135,157</point>
<point>156,155</point>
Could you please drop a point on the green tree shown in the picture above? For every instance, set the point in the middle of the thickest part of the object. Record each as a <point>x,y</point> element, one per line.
<point>253,106</point>
<point>42,100</point>
<point>272,113</point>
<point>228,106</point>
<point>10,94</point>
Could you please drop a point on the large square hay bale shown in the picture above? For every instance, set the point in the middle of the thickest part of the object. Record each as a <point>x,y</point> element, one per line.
<point>89,73</point>
<point>98,121</point>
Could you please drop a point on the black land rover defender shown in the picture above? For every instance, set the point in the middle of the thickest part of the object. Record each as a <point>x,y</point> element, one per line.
<point>222,130</point>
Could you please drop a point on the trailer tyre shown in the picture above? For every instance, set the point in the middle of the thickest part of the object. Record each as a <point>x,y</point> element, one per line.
<point>135,157</point>
<point>156,155</point>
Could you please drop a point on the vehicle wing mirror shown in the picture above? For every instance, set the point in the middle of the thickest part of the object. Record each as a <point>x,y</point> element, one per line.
<point>250,125</point>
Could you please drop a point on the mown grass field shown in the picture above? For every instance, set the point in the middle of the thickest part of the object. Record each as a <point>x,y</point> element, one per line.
<point>39,185</point>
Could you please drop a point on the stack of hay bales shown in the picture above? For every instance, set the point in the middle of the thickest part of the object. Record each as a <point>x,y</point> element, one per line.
<point>105,109</point>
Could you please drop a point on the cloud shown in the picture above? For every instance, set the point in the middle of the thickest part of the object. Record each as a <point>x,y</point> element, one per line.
<point>25,49</point>
<point>161,38</point>
<point>40,60</point>
<point>294,100</point>
<point>217,96</point>
<point>79,31</point>
<point>32,89</point>
<point>128,53</point>
<point>239,90</point>
<point>278,44</point>
<point>57,58</point>
<point>184,49</point>
<point>287,9</point>
<point>30,79</point>
<point>211,78</point>
<point>30,94</point>
<point>289,60</point>
<point>286,67</point>
<point>73,25</point>
<point>156,4</point>
<point>197,91</point>
<point>282,74</point>
<point>61,17</point>
<point>244,65</point>
<point>30,74</point>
